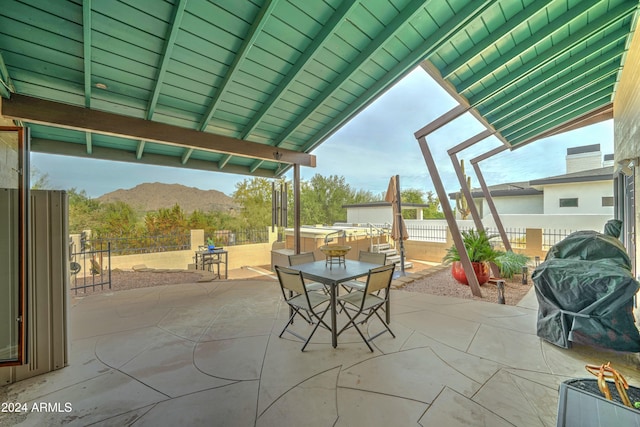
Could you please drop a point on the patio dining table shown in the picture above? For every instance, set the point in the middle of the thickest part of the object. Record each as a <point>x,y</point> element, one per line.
<point>332,276</point>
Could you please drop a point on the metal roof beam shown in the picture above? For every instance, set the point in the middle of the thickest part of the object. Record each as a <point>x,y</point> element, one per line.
<point>488,154</point>
<point>448,87</point>
<point>185,156</point>
<point>89,141</point>
<point>255,165</point>
<point>374,46</point>
<point>86,42</point>
<point>72,117</point>
<point>470,142</point>
<point>582,35</point>
<point>469,12</point>
<point>62,148</point>
<point>250,39</point>
<point>6,87</point>
<point>591,117</point>
<point>174,27</point>
<point>555,97</point>
<point>518,19</point>
<point>586,106</point>
<point>223,161</point>
<point>140,149</point>
<point>561,109</point>
<point>531,42</point>
<point>613,47</point>
<point>426,48</point>
<point>527,95</point>
<point>318,42</point>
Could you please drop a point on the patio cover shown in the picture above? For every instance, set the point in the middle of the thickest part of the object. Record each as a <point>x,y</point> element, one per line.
<point>253,87</point>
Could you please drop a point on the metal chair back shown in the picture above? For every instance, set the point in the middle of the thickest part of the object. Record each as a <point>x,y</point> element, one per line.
<point>301,258</point>
<point>290,280</point>
<point>379,278</point>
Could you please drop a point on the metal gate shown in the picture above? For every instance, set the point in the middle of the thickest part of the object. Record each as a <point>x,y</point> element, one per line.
<point>90,269</point>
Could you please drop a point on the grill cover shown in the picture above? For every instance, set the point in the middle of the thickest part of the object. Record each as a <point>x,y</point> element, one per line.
<point>585,292</point>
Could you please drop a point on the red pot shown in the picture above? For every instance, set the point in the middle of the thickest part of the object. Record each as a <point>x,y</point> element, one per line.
<point>482,270</point>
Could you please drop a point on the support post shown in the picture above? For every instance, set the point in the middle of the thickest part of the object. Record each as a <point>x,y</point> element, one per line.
<point>296,208</point>
<point>492,206</point>
<point>466,193</point>
<point>451,221</point>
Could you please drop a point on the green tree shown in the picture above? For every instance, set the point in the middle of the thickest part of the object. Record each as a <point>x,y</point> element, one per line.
<point>39,181</point>
<point>254,197</point>
<point>84,213</point>
<point>411,195</point>
<point>118,219</point>
<point>322,198</point>
<point>433,211</point>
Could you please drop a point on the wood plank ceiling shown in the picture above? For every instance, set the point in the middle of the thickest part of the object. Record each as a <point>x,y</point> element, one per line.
<point>252,86</point>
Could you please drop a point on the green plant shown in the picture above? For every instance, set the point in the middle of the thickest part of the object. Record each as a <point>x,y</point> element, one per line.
<point>210,242</point>
<point>461,200</point>
<point>478,246</point>
<point>511,263</point>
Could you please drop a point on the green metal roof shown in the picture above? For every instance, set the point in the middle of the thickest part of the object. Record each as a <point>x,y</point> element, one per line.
<point>289,73</point>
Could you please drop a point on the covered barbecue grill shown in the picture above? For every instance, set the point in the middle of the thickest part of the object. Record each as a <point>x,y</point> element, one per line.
<point>585,291</point>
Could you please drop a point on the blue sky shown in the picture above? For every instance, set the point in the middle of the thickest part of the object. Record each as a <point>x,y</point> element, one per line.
<point>367,151</point>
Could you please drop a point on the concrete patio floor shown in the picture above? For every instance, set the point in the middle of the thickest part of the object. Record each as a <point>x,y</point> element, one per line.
<point>208,354</point>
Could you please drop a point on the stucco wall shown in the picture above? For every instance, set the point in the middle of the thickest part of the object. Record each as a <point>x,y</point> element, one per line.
<point>8,159</point>
<point>589,197</point>
<point>515,205</point>
<point>626,114</point>
<point>626,106</point>
<point>364,215</point>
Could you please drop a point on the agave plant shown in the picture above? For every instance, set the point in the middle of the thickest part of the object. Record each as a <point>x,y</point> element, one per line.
<point>478,246</point>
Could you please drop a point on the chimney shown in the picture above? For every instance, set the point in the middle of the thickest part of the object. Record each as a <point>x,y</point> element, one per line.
<point>584,158</point>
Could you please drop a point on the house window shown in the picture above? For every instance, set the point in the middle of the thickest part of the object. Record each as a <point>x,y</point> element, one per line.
<point>569,203</point>
<point>607,201</point>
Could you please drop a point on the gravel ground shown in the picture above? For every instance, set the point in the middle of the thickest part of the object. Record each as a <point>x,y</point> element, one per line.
<point>442,283</point>
<point>122,280</point>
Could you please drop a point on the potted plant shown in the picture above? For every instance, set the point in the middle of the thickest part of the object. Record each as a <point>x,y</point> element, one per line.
<point>211,244</point>
<point>481,254</point>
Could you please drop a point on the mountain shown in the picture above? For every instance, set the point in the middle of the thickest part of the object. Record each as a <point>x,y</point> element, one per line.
<point>153,196</point>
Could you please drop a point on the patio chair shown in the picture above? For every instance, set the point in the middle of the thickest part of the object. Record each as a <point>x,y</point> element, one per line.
<point>365,256</point>
<point>368,301</point>
<point>303,259</point>
<point>299,298</point>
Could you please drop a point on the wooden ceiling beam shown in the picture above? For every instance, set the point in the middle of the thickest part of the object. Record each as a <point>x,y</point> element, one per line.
<point>35,110</point>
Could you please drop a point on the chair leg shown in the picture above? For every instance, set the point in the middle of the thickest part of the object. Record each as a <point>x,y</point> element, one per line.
<point>320,321</point>
<point>352,322</point>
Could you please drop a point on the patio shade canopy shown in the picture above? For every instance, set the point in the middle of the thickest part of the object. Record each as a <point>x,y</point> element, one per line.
<point>252,87</point>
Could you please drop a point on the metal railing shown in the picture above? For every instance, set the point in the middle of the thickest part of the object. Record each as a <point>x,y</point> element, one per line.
<point>380,230</point>
<point>552,236</point>
<point>91,269</point>
<point>516,236</point>
<point>141,244</point>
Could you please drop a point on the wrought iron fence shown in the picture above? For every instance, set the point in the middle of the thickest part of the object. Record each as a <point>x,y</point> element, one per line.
<point>552,236</point>
<point>141,244</point>
<point>240,237</point>
<point>516,236</point>
<point>91,269</point>
<point>427,233</point>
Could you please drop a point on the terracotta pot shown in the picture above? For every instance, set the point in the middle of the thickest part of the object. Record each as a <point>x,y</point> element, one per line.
<point>482,270</point>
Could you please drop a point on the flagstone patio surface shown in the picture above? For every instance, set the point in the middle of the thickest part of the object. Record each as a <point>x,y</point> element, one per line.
<point>208,354</point>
